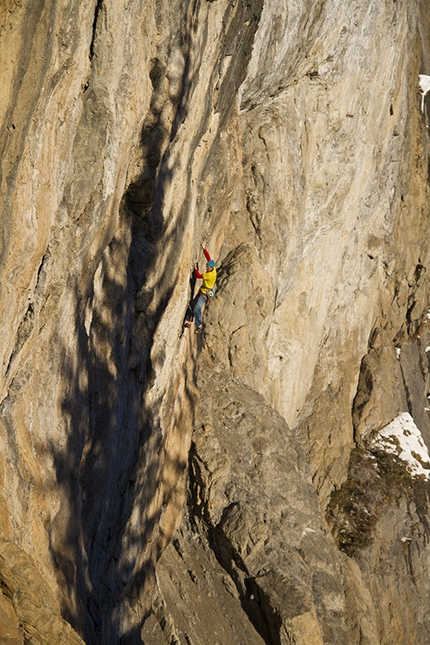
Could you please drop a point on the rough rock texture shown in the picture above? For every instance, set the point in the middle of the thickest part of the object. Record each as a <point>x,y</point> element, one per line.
<point>290,136</point>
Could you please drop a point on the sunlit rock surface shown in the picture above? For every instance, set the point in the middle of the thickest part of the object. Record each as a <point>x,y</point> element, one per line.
<point>220,488</point>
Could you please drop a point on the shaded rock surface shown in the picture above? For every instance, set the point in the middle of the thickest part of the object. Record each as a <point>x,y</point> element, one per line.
<point>253,501</point>
<point>219,489</point>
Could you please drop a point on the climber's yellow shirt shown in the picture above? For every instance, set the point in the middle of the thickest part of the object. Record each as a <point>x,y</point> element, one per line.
<point>209,280</point>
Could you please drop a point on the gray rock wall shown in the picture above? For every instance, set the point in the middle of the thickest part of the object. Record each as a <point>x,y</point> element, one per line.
<point>196,489</point>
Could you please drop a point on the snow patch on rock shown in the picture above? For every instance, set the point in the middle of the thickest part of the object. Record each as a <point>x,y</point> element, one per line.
<point>424,83</point>
<point>403,438</point>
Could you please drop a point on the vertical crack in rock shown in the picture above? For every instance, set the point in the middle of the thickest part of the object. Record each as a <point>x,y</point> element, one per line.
<point>97,12</point>
<point>24,331</point>
<point>42,272</point>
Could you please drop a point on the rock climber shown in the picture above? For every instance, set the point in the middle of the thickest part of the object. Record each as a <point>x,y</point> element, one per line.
<point>206,291</point>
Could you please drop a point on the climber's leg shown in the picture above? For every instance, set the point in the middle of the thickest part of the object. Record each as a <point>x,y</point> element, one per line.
<point>198,314</point>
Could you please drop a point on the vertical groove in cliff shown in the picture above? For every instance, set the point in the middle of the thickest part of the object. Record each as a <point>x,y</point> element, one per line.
<point>97,14</point>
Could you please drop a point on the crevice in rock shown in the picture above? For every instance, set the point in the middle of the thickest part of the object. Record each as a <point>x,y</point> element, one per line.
<point>255,604</point>
<point>421,498</point>
<point>41,273</point>
<point>97,10</point>
<point>24,330</point>
<point>362,396</point>
<point>5,589</point>
<point>406,390</point>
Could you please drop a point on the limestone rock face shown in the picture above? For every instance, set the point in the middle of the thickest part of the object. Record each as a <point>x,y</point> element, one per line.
<point>158,487</point>
<point>265,524</point>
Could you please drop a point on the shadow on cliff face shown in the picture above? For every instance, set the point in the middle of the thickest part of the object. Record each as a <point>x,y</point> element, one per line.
<point>103,539</point>
<point>105,474</point>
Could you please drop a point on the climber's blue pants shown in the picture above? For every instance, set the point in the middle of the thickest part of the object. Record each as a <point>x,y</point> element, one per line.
<point>201,300</point>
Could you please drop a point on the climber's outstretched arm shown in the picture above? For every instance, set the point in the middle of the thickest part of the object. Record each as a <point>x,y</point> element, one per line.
<point>207,256</point>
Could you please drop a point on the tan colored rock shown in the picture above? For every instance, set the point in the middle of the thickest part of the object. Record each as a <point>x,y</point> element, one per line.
<point>303,629</point>
<point>328,241</point>
<point>401,616</point>
<point>31,613</point>
<point>109,93</point>
<point>261,521</point>
<point>380,388</point>
<point>360,606</point>
<point>290,137</point>
<point>192,584</point>
<point>9,625</point>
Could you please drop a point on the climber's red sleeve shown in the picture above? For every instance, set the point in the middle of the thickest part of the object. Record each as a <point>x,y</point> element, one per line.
<point>196,271</point>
